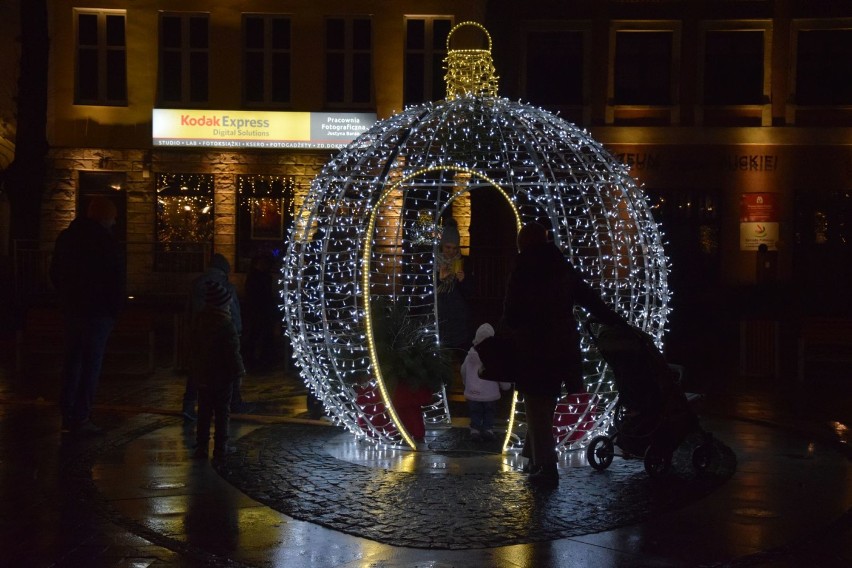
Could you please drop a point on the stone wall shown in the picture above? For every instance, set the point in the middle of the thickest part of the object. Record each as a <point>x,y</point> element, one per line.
<point>141,166</point>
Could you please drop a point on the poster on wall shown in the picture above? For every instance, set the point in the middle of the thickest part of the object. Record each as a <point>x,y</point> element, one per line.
<point>758,221</point>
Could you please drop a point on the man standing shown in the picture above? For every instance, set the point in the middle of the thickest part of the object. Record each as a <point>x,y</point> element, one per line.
<point>88,274</point>
<point>539,312</point>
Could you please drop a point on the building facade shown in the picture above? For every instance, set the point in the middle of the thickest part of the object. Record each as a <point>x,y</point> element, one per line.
<point>734,115</point>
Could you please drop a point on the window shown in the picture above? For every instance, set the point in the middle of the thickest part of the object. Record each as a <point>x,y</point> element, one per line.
<point>733,67</point>
<point>184,59</point>
<point>554,68</point>
<point>266,59</point>
<point>101,77</point>
<point>425,50</point>
<point>264,214</point>
<point>348,61</point>
<point>184,222</point>
<point>823,67</point>
<point>643,67</point>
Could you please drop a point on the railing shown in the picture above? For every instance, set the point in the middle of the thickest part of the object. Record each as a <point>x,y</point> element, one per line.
<point>154,269</point>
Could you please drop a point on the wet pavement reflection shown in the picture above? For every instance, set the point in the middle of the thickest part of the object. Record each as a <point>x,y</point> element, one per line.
<point>301,493</point>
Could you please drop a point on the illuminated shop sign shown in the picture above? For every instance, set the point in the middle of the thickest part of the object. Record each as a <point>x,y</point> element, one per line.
<point>257,129</point>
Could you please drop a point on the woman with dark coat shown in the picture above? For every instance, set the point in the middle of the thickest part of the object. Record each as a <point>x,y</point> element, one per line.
<point>539,313</point>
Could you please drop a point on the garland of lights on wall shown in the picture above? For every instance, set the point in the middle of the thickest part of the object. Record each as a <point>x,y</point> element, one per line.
<point>368,230</point>
<point>184,209</point>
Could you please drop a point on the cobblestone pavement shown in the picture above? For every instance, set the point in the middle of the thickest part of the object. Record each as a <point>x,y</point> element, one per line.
<point>291,469</point>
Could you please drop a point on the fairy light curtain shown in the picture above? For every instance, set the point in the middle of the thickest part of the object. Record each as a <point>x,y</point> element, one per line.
<point>265,206</point>
<point>368,230</point>
<point>184,217</point>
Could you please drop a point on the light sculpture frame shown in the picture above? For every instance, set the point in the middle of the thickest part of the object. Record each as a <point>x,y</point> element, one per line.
<point>355,240</point>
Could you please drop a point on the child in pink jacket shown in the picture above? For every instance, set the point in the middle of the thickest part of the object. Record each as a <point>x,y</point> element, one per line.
<point>481,395</point>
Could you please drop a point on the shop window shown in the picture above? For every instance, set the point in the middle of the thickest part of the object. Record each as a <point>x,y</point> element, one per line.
<point>264,215</point>
<point>643,67</point>
<point>425,50</point>
<point>349,61</point>
<point>690,221</point>
<point>733,67</point>
<point>823,67</point>
<point>554,68</point>
<point>184,59</point>
<point>266,59</point>
<point>101,65</point>
<point>184,222</point>
<point>105,184</point>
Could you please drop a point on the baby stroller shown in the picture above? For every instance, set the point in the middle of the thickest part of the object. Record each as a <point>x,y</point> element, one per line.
<point>653,416</point>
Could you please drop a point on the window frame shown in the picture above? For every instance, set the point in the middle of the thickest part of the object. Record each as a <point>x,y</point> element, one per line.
<point>102,50</point>
<point>584,28</point>
<point>764,109</point>
<point>798,25</point>
<point>268,51</point>
<point>349,52</point>
<point>429,51</point>
<point>185,51</point>
<point>669,113</point>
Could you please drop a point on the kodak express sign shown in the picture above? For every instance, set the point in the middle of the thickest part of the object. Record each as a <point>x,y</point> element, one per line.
<point>257,129</point>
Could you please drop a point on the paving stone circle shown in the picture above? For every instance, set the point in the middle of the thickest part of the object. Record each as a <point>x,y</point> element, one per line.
<point>288,468</point>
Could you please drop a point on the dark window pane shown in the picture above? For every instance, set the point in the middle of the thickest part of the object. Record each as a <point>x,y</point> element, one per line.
<point>171,70</point>
<point>415,34</point>
<point>414,76</point>
<point>198,32</point>
<point>87,29</point>
<point>115,30</point>
<point>281,33</point>
<point>334,77</point>
<point>254,33</point>
<point>254,76</point>
<point>361,77</point>
<point>439,85</point>
<point>643,68</point>
<point>440,31</point>
<point>87,74</point>
<point>334,33</point>
<point>281,78</point>
<point>823,67</point>
<point>116,76</point>
<point>555,68</point>
<point>733,68</point>
<point>171,32</point>
<point>198,77</point>
<point>362,34</point>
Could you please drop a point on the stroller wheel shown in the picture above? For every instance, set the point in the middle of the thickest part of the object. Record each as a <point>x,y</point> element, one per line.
<point>657,461</point>
<point>702,456</point>
<point>600,452</point>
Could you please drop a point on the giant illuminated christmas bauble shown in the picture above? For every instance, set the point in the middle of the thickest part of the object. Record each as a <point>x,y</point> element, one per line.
<point>370,226</point>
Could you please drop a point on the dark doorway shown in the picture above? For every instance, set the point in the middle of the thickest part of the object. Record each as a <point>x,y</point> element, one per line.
<point>107,184</point>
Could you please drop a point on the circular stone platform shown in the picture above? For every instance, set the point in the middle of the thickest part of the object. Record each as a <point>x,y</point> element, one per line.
<point>441,499</point>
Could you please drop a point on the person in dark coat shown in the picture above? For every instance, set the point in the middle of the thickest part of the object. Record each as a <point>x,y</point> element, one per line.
<point>215,365</point>
<point>542,291</point>
<point>453,284</point>
<point>217,271</point>
<point>261,315</point>
<point>88,273</point>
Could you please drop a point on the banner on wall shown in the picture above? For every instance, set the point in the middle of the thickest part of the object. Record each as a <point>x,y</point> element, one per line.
<point>758,221</point>
<point>257,129</point>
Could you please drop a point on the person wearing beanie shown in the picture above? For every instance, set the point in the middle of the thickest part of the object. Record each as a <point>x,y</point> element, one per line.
<point>217,271</point>
<point>215,365</point>
<point>538,313</point>
<point>453,284</point>
<point>481,395</point>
